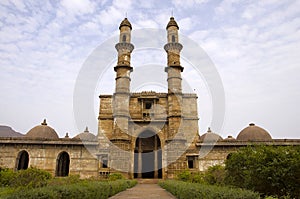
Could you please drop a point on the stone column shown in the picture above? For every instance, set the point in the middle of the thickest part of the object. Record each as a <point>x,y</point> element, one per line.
<point>155,158</point>
<point>140,159</point>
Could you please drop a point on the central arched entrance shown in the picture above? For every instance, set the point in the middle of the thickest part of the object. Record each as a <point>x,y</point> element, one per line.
<point>147,156</point>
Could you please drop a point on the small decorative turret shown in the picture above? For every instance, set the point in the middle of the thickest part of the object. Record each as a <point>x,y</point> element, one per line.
<point>208,130</point>
<point>44,122</point>
<point>125,22</point>
<point>172,22</point>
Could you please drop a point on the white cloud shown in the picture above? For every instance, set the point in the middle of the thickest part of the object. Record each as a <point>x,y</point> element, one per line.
<point>187,3</point>
<point>18,4</point>
<point>121,4</point>
<point>111,15</point>
<point>147,23</point>
<point>186,23</point>
<point>75,7</point>
<point>225,7</point>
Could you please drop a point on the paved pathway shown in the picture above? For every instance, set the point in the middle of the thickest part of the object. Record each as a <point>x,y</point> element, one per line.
<point>145,191</point>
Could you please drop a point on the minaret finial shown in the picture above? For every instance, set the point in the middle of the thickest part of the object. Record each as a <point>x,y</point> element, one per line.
<point>172,14</point>
<point>86,129</point>
<point>126,14</point>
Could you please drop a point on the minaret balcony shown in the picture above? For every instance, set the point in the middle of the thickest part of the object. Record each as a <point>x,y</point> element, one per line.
<point>173,47</point>
<point>124,47</point>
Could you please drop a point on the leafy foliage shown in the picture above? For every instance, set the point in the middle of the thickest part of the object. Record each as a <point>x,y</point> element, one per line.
<point>84,189</point>
<point>72,179</point>
<point>115,176</point>
<point>184,176</point>
<point>187,176</point>
<point>270,170</point>
<point>215,175</point>
<point>6,176</point>
<point>187,190</point>
<point>36,183</point>
<point>30,177</point>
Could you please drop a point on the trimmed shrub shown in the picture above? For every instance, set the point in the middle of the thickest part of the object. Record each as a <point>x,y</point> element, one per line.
<point>115,176</point>
<point>186,190</point>
<point>30,177</point>
<point>187,176</point>
<point>83,189</point>
<point>72,179</point>
<point>184,176</point>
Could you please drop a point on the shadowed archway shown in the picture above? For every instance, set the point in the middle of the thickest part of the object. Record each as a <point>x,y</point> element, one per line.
<point>147,156</point>
<point>62,164</point>
<point>22,160</point>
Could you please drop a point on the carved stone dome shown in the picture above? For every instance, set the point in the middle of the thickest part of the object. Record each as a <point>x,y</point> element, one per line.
<point>86,136</point>
<point>210,137</point>
<point>125,22</point>
<point>42,131</point>
<point>254,133</point>
<point>172,22</point>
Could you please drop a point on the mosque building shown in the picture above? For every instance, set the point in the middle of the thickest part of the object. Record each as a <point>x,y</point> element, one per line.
<point>141,135</point>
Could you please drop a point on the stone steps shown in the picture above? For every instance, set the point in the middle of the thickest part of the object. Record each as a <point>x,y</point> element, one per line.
<point>148,181</point>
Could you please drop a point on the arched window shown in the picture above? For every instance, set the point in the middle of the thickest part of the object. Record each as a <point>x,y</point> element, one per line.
<point>62,164</point>
<point>124,38</point>
<point>22,160</point>
<point>173,38</point>
<point>229,156</point>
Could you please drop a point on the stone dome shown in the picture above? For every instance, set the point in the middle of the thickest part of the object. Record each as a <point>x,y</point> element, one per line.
<point>125,22</point>
<point>210,137</point>
<point>42,131</point>
<point>229,138</point>
<point>254,133</point>
<point>172,22</point>
<point>86,136</point>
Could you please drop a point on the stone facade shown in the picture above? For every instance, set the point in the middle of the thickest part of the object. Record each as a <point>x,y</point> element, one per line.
<point>141,135</point>
<point>46,154</point>
<point>147,134</point>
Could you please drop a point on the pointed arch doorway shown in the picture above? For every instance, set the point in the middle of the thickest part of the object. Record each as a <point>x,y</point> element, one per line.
<point>62,164</point>
<point>22,160</point>
<point>148,156</point>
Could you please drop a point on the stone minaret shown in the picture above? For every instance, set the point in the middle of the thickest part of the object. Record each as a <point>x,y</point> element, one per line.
<point>122,92</point>
<point>174,69</point>
<point>119,151</point>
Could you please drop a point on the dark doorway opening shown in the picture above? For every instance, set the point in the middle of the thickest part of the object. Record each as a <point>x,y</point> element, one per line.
<point>22,160</point>
<point>62,164</point>
<point>148,156</point>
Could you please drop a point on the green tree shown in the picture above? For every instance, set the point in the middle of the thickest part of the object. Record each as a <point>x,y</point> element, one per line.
<point>271,170</point>
<point>215,175</point>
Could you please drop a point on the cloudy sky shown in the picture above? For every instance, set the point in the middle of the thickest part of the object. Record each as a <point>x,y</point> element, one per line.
<point>254,45</point>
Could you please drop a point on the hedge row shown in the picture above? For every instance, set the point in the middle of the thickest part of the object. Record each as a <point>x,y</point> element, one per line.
<point>85,189</point>
<point>187,190</point>
<point>29,178</point>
